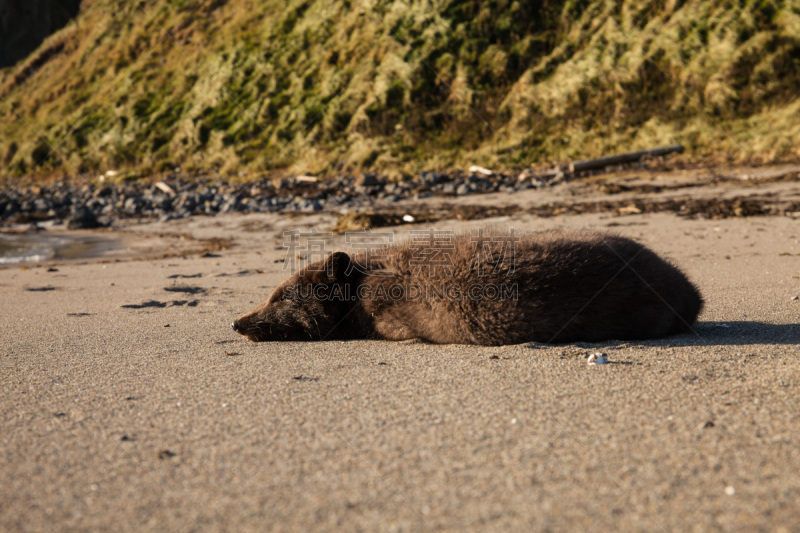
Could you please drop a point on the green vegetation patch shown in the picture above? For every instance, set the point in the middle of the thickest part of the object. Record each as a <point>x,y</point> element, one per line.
<point>321,85</point>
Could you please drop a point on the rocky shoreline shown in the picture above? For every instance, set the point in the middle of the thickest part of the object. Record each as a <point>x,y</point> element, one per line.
<point>373,200</point>
<point>99,204</point>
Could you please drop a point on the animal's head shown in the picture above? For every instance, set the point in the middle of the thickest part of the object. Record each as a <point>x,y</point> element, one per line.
<point>309,306</point>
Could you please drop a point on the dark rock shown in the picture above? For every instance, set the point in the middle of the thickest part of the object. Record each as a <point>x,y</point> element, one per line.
<point>82,218</point>
<point>430,178</point>
<point>103,192</point>
<point>368,180</point>
<point>11,207</point>
<point>186,201</point>
<point>284,183</point>
<point>42,205</point>
<point>131,205</point>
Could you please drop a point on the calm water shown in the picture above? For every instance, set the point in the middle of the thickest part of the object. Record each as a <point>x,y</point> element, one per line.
<point>33,247</point>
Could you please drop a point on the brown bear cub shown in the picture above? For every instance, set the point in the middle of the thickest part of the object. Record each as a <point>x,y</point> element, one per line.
<point>547,287</point>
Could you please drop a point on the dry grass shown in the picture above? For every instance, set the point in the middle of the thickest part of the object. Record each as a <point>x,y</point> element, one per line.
<point>323,85</point>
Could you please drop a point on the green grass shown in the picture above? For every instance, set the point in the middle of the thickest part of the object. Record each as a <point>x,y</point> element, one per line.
<point>320,85</point>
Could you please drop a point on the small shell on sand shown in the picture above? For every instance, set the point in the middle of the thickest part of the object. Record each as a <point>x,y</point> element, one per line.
<point>597,358</point>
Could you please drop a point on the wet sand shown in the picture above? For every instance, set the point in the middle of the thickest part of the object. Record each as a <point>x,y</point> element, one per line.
<point>157,416</point>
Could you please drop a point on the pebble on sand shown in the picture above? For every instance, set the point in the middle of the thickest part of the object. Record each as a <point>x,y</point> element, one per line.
<point>597,358</point>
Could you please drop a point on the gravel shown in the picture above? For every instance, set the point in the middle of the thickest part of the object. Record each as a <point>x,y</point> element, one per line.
<point>95,205</point>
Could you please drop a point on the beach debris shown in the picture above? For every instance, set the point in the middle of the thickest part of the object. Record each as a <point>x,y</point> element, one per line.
<point>541,177</point>
<point>79,314</point>
<point>52,269</point>
<point>240,273</point>
<point>730,491</point>
<point>165,454</point>
<point>148,303</point>
<point>163,187</point>
<point>597,358</point>
<point>628,210</point>
<point>186,288</point>
<point>630,157</point>
<point>408,218</point>
<point>156,303</point>
<point>367,180</point>
<point>176,276</point>
<point>304,378</point>
<point>357,221</point>
<point>81,217</point>
<point>126,438</point>
<point>231,354</point>
<point>40,289</point>
<point>795,297</point>
<point>709,424</point>
<point>475,169</point>
<point>305,178</point>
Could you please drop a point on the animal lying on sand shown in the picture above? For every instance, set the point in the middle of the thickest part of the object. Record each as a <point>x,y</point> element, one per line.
<point>549,287</point>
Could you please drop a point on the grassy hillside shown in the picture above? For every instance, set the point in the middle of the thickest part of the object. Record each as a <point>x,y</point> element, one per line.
<point>320,85</point>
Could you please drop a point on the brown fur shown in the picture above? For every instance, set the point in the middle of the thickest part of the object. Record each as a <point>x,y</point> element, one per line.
<point>570,286</point>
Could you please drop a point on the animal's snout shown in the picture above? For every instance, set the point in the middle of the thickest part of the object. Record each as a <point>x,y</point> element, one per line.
<point>235,325</point>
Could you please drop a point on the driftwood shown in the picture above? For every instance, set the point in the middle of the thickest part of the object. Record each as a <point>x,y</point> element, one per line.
<point>632,157</point>
<point>163,187</point>
<point>542,177</point>
<point>475,169</point>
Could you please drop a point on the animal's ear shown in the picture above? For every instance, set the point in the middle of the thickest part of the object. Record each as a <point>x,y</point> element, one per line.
<point>336,267</point>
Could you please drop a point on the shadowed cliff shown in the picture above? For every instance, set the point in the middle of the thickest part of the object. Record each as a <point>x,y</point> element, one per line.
<point>24,24</point>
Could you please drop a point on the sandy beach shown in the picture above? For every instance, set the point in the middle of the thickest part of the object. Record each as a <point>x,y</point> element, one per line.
<point>129,404</point>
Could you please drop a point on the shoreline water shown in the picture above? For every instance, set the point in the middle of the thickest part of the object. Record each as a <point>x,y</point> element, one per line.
<point>32,247</point>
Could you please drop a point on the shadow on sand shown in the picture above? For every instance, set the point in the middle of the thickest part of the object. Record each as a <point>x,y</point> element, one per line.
<point>715,334</point>
<point>744,332</point>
